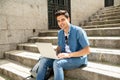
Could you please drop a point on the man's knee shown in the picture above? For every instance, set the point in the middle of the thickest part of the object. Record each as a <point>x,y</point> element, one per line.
<point>56,64</point>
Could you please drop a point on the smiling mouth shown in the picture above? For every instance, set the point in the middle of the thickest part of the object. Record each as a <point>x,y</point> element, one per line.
<point>62,25</point>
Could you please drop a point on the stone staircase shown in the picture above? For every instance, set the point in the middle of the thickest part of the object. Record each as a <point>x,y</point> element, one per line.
<point>103,30</point>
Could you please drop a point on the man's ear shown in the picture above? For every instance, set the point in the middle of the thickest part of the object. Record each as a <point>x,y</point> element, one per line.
<point>69,19</point>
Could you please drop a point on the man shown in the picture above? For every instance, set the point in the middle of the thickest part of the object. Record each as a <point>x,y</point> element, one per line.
<point>73,47</point>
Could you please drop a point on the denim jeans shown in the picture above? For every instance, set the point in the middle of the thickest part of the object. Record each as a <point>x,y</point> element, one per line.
<point>59,66</point>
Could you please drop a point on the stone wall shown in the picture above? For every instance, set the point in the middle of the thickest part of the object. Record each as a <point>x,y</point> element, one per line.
<point>116,2</point>
<point>18,18</point>
<point>82,9</point>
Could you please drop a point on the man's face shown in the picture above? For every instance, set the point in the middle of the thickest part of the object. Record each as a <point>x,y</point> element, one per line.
<point>63,22</point>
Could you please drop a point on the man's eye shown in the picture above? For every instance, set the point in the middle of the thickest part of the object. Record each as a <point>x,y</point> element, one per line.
<point>58,21</point>
<point>63,19</point>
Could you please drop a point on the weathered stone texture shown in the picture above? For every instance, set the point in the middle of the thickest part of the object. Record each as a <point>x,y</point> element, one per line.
<point>6,47</point>
<point>11,7</point>
<point>3,37</point>
<point>3,23</point>
<point>116,2</point>
<point>82,9</point>
<point>18,18</point>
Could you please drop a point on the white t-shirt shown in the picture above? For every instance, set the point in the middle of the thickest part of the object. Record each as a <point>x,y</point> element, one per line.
<point>67,48</point>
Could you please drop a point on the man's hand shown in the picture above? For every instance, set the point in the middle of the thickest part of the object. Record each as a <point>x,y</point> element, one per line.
<point>57,50</point>
<point>63,55</point>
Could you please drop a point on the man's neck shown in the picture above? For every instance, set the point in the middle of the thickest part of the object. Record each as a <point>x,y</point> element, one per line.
<point>66,30</point>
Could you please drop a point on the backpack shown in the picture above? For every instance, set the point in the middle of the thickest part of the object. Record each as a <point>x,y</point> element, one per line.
<point>34,71</point>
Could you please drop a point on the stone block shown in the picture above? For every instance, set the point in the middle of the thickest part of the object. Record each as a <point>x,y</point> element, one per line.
<point>84,9</point>
<point>103,32</point>
<point>4,36</point>
<point>110,56</point>
<point>16,22</point>
<point>105,42</point>
<point>48,33</point>
<point>1,6</point>
<point>3,22</point>
<point>29,33</point>
<point>2,78</point>
<point>3,48</point>
<point>16,36</point>
<point>16,71</point>
<point>29,22</point>
<point>24,57</point>
<point>12,7</point>
<point>7,47</point>
<point>116,2</point>
<point>30,10</point>
<point>28,47</point>
<point>29,2</point>
<point>43,25</point>
<point>41,2</point>
<point>1,54</point>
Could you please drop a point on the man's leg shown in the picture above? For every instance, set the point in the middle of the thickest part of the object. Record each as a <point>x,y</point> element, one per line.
<point>44,64</point>
<point>66,64</point>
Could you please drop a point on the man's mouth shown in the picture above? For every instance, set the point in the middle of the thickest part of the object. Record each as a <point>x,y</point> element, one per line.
<point>62,25</point>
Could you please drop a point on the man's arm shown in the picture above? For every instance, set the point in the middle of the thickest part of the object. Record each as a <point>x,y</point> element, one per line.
<point>82,52</point>
<point>79,53</point>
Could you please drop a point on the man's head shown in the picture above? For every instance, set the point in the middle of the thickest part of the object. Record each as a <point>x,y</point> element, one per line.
<point>63,19</point>
<point>62,12</point>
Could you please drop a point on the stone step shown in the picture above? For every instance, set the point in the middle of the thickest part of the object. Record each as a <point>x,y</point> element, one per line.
<point>113,31</point>
<point>95,71</point>
<point>17,71</point>
<point>103,14</point>
<point>114,21</point>
<point>48,39</point>
<point>48,33</point>
<point>104,42</point>
<point>24,57</point>
<point>66,78</point>
<point>109,11</point>
<point>105,18</point>
<point>3,77</point>
<point>102,26</point>
<point>110,56</point>
<point>111,8</point>
<point>106,15</point>
<point>14,70</point>
<point>102,55</point>
<point>28,46</point>
<point>31,47</point>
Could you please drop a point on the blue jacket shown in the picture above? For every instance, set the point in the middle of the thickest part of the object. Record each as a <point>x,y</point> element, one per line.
<point>77,39</point>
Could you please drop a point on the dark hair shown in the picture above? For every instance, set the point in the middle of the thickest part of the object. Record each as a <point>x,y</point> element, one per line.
<point>62,12</point>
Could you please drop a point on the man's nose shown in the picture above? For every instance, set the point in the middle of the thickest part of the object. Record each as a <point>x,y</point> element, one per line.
<point>60,22</point>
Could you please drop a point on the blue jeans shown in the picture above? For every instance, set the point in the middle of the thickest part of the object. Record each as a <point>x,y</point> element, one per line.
<point>58,66</point>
